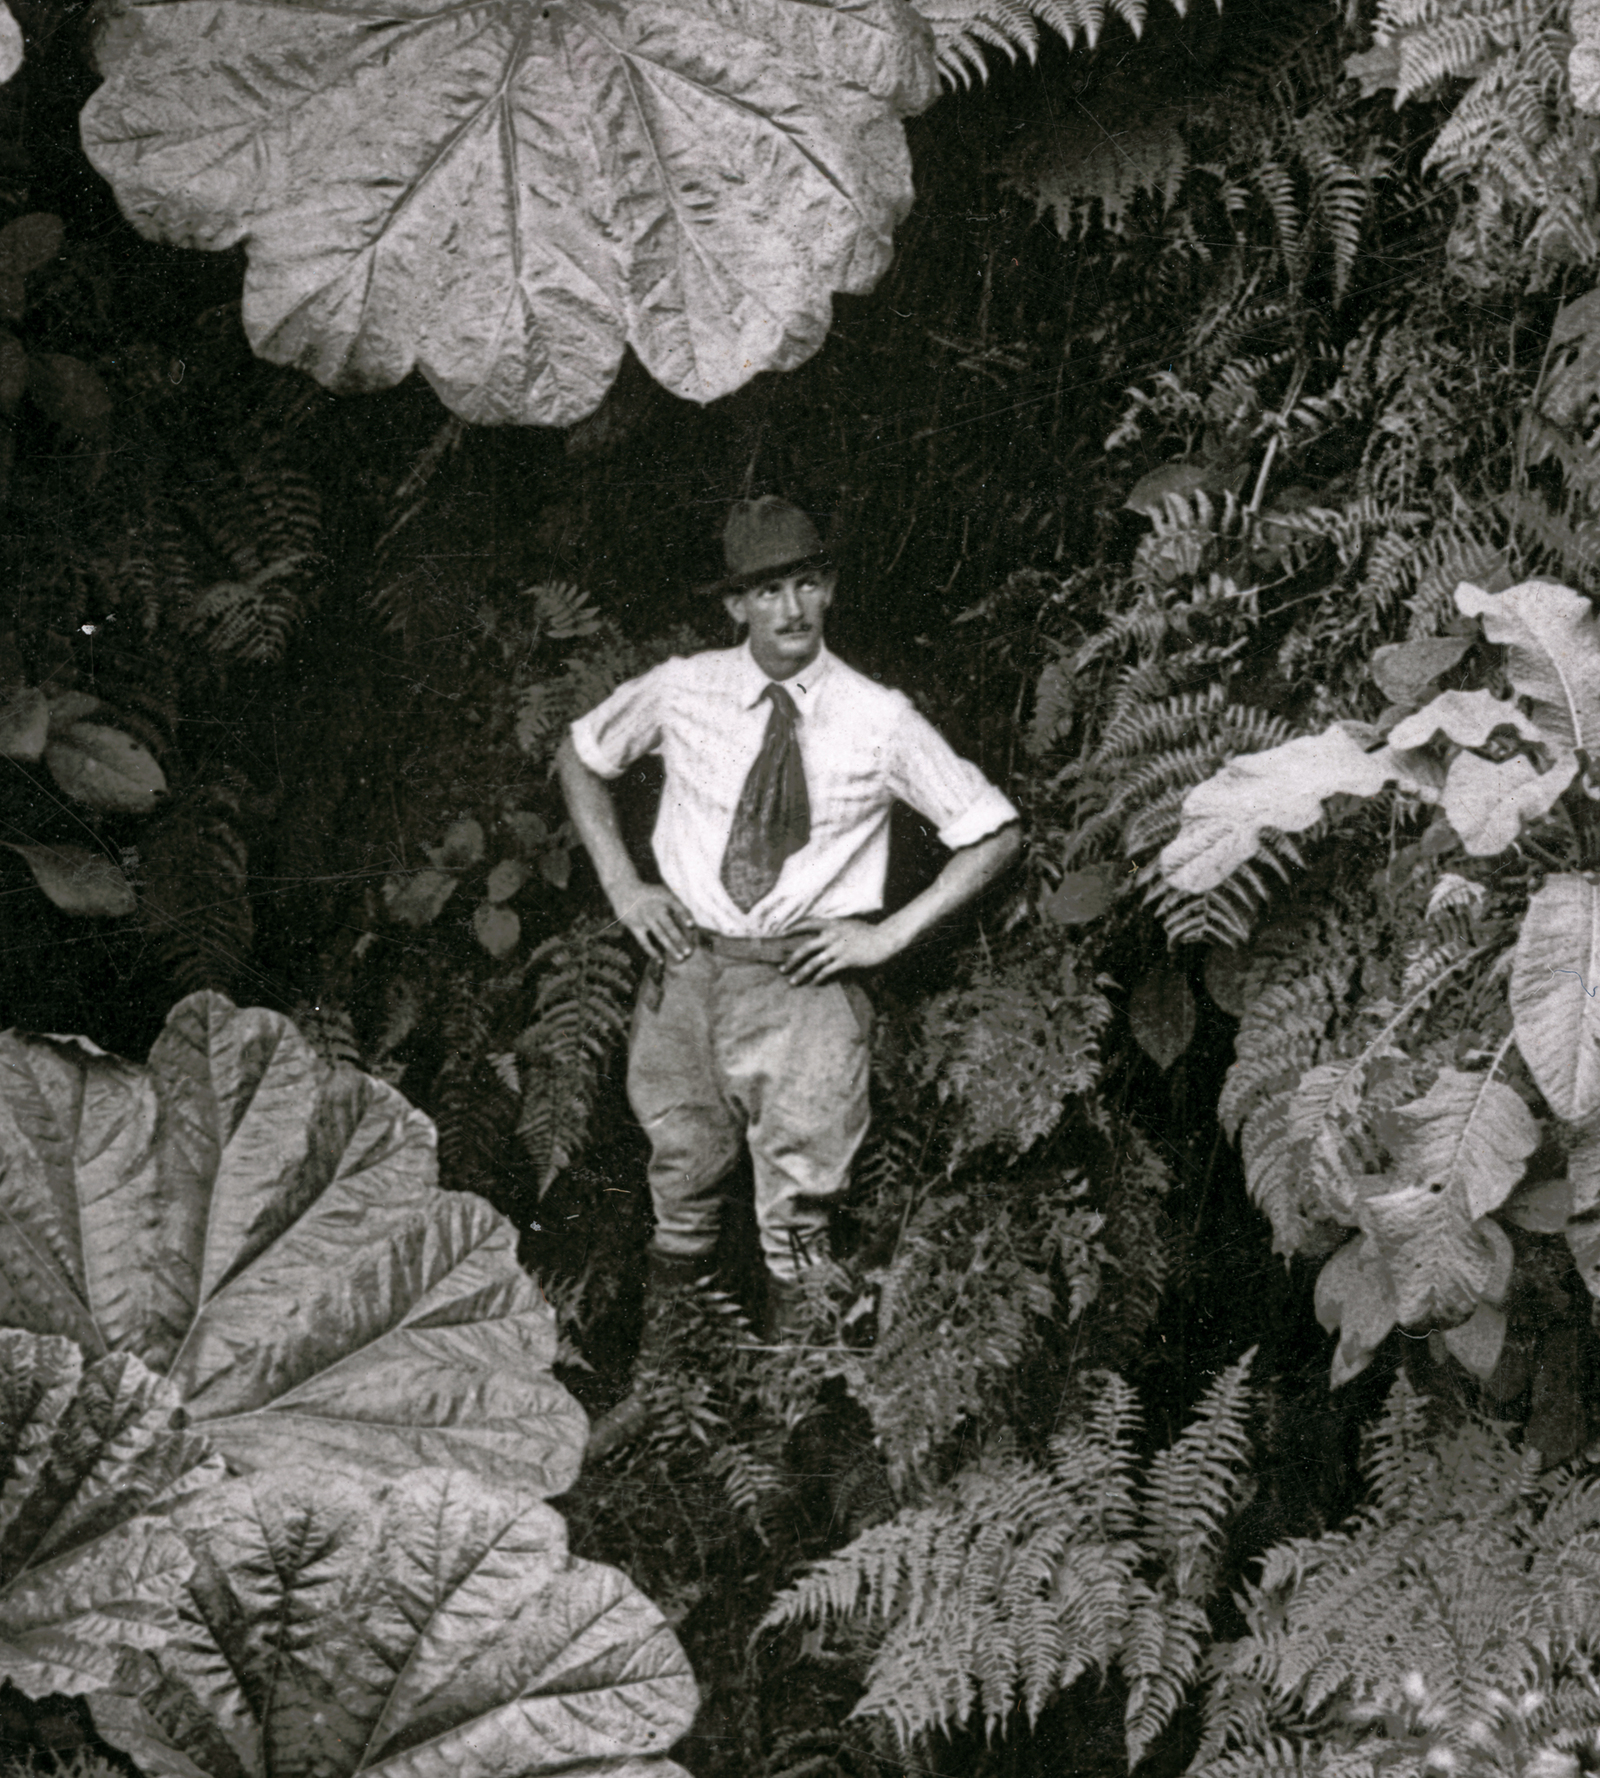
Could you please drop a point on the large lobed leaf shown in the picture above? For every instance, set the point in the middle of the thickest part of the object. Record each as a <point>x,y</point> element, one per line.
<point>1429,1250</point>
<point>504,196</point>
<point>431,1628</point>
<point>1556,1020</point>
<point>268,1232</point>
<point>1468,718</point>
<point>1469,1135</point>
<point>1488,802</point>
<point>1281,787</point>
<point>1355,1298</point>
<point>1552,639</point>
<point>1443,1261</point>
<point>85,1572</point>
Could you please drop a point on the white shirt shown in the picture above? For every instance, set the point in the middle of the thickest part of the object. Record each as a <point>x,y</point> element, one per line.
<point>863,747</point>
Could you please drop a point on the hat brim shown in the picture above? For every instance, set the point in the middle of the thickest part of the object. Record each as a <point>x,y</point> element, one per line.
<point>741,583</point>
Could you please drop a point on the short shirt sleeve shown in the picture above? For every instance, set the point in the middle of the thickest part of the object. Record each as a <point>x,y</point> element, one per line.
<point>626,726</point>
<point>945,789</point>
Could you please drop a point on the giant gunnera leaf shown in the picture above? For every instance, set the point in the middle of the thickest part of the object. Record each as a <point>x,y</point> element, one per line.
<point>502,193</point>
<point>85,1572</point>
<point>432,1628</point>
<point>267,1232</point>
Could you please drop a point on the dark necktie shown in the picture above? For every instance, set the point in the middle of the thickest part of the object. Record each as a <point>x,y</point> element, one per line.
<point>773,818</point>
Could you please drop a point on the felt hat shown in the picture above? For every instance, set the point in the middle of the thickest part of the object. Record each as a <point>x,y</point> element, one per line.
<point>764,539</point>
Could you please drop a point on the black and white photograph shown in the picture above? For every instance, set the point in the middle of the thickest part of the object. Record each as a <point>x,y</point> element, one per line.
<point>799,888</point>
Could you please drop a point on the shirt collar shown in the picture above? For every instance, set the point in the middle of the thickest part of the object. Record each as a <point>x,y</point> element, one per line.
<point>803,686</point>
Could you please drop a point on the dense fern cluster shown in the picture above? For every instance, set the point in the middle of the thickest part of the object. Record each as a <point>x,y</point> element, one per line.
<point>1019,1578</point>
<point>1450,1626</point>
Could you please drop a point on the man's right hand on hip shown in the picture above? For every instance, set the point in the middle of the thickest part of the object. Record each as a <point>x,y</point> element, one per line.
<point>660,922</point>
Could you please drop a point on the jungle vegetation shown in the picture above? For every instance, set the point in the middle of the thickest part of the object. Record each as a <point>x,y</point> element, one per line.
<point>1203,1377</point>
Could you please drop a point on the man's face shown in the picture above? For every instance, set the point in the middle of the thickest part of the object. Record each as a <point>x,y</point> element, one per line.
<point>785,618</point>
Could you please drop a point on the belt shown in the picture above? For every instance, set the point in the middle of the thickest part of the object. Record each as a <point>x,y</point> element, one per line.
<point>750,950</point>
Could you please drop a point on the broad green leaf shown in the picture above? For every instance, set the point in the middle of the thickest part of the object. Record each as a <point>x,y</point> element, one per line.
<point>1405,671</point>
<point>1469,1135</point>
<point>69,707</point>
<point>1553,654</point>
<point>1282,787</point>
<point>1149,494</point>
<point>24,723</point>
<point>1355,1298</point>
<point>1543,1208</point>
<point>435,1627</point>
<point>1377,69</point>
<point>1583,1240</point>
<point>528,830</point>
<point>1583,75</point>
<point>1468,718</point>
<point>85,1573</point>
<point>496,929</point>
<point>504,198</point>
<point>268,1232</point>
<point>1225,974</point>
<point>1477,1342</point>
<point>1080,896</point>
<point>506,879</point>
<point>1488,802</point>
<point>78,881</point>
<point>1557,1019</point>
<point>419,898</point>
<point>461,847</point>
<point>105,768</point>
<point>1443,1263</point>
<point>1161,1014</point>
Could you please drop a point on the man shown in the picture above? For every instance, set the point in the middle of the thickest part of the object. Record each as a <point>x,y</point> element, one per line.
<point>772,840</point>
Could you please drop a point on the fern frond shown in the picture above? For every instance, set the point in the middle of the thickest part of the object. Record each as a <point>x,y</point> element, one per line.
<point>1442,49</point>
<point>1165,1640</point>
<point>196,903</point>
<point>581,1008</point>
<point>330,1031</point>
<point>1228,913</point>
<point>1193,1486</point>
<point>960,27</point>
<point>249,620</point>
<point>562,611</point>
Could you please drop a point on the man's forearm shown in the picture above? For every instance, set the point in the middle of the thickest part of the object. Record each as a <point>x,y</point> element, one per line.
<point>594,815</point>
<point>966,874</point>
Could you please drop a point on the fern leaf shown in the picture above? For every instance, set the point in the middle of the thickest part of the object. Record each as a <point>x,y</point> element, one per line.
<point>196,902</point>
<point>581,1009</point>
<point>562,610</point>
<point>1162,1658</point>
<point>1195,1484</point>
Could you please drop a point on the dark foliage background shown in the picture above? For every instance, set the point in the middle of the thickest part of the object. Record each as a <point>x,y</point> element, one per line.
<point>1211,415</point>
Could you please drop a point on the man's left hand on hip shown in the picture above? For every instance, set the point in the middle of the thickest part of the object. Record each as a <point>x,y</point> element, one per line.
<point>833,947</point>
